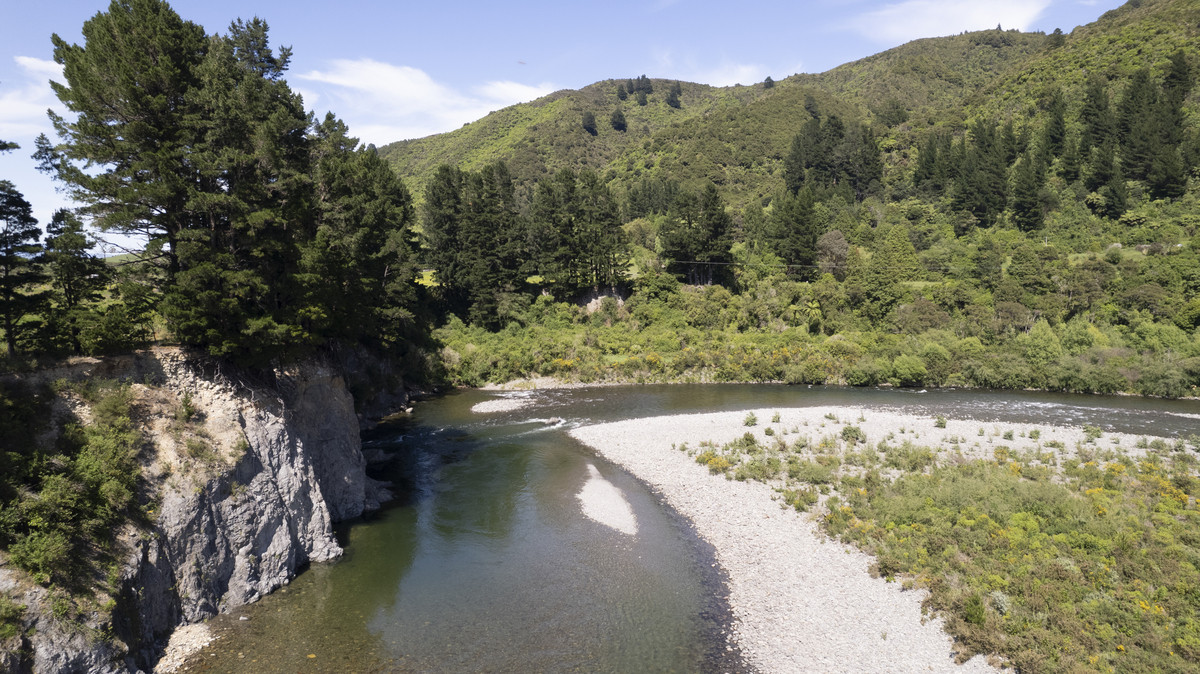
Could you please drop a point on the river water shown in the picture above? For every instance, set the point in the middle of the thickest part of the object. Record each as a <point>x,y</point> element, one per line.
<point>485,563</point>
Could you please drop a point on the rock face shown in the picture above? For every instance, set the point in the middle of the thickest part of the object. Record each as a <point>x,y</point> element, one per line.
<point>250,477</point>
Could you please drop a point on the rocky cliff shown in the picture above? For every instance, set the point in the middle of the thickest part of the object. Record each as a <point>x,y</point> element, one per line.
<point>245,478</point>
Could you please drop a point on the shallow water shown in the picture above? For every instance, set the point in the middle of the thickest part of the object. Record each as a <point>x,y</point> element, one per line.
<point>486,563</point>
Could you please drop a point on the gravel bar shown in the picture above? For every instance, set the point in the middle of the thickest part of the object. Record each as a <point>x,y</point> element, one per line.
<point>803,602</point>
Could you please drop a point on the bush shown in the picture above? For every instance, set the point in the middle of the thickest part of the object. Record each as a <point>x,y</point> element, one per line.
<point>11,614</point>
<point>809,472</point>
<point>44,554</point>
<point>853,434</point>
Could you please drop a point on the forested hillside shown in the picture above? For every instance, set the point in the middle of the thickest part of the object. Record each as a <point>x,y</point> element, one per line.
<point>988,209</point>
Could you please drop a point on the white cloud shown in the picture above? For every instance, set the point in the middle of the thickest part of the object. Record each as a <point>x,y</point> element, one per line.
<point>904,21</point>
<point>36,66</point>
<point>382,102</point>
<point>729,74</point>
<point>23,103</point>
<point>724,74</point>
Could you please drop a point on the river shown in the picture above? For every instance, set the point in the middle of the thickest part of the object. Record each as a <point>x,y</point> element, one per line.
<point>484,561</point>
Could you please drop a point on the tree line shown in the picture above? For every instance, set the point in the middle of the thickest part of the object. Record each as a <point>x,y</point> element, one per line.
<point>269,232</point>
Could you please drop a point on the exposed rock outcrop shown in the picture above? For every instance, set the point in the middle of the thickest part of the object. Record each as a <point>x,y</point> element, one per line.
<point>248,478</point>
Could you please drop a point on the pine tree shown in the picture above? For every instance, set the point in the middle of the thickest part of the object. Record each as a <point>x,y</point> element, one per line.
<point>802,156</point>
<point>716,226</point>
<point>1072,161</point>
<point>641,98</point>
<point>475,239</point>
<point>589,122</point>
<point>599,251</point>
<point>981,184</point>
<point>235,294</point>
<point>698,237</point>
<point>357,271</point>
<point>792,232</point>
<point>768,83</point>
<point>622,94</point>
<point>1054,133</point>
<point>1096,115</point>
<point>1055,39</point>
<point>673,95</point>
<point>131,122</point>
<point>76,275</point>
<point>617,120</point>
<point>865,167</point>
<point>932,173</point>
<point>1025,202</point>
<point>20,267</point>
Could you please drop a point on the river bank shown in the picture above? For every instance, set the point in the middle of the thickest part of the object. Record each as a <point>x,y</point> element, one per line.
<point>801,601</point>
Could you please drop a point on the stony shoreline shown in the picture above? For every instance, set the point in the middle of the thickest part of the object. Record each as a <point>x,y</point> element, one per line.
<point>802,602</point>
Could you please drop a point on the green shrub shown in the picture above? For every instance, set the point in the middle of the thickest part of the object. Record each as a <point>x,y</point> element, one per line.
<point>853,434</point>
<point>45,554</point>
<point>800,499</point>
<point>809,472</point>
<point>940,422</point>
<point>750,420</point>
<point>11,614</point>
<point>763,469</point>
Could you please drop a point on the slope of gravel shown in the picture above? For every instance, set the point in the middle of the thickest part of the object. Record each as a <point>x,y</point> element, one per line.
<point>803,602</point>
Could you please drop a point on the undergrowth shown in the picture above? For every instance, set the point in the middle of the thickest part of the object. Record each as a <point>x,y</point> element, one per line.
<point>1056,560</point>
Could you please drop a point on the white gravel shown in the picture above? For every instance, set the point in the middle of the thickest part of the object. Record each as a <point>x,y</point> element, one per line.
<point>185,641</point>
<point>801,601</point>
<point>601,501</point>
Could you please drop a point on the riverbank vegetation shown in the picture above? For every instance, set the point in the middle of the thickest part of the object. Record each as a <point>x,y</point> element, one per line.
<point>1055,557</point>
<point>67,486</point>
<point>1049,242</point>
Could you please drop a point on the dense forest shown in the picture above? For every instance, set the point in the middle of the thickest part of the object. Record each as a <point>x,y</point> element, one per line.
<point>1040,234</point>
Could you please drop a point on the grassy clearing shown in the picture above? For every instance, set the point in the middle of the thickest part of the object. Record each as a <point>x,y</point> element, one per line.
<point>1054,558</point>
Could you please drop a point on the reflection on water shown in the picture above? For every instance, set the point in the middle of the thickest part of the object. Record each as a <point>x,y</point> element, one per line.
<point>485,563</point>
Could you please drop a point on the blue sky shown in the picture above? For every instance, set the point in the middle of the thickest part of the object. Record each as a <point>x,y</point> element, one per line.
<point>402,69</point>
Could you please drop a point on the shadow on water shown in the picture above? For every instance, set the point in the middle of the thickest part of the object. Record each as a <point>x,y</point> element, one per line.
<point>484,562</point>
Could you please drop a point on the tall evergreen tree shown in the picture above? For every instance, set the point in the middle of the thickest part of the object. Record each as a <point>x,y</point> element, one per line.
<point>1096,115</point>
<point>1054,133</point>
<point>77,276</point>
<point>933,171</point>
<point>357,271</point>
<point>698,237</point>
<point>20,266</point>
<point>805,147</point>
<point>132,124</point>
<point>234,293</point>
<point>474,238</point>
<point>1025,202</point>
<point>981,184</point>
<point>599,251</point>
<point>673,95</point>
<point>617,120</point>
<point>792,232</point>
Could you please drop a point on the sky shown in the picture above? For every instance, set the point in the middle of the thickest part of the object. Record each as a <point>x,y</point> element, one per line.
<point>403,69</point>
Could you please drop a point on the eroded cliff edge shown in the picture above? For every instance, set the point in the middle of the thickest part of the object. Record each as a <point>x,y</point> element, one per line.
<point>244,476</point>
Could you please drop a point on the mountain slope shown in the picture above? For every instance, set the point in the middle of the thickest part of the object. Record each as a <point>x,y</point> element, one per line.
<point>736,136</point>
